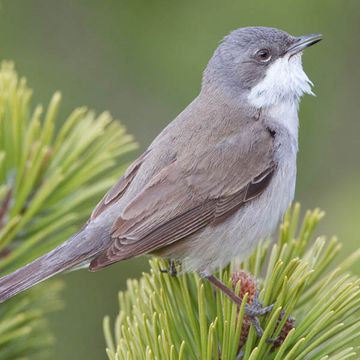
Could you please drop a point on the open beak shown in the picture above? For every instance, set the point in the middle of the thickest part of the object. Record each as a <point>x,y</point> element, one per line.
<point>302,42</point>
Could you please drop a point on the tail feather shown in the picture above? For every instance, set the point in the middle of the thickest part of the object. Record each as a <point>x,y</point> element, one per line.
<point>66,256</point>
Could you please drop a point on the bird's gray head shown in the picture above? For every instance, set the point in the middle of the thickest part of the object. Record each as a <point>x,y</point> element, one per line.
<point>261,65</point>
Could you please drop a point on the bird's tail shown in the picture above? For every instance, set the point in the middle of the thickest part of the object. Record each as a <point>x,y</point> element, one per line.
<point>68,255</point>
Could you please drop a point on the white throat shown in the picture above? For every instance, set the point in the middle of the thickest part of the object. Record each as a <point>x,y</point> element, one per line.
<point>279,92</point>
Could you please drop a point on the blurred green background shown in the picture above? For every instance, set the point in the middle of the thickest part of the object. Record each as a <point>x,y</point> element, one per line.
<point>142,60</point>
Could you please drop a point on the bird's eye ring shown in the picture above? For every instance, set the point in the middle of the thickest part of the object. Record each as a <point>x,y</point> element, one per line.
<point>263,55</point>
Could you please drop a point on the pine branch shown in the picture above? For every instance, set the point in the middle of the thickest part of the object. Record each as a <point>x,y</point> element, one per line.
<point>315,315</point>
<point>49,182</point>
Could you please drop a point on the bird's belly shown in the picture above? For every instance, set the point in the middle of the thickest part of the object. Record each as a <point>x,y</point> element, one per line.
<point>217,245</point>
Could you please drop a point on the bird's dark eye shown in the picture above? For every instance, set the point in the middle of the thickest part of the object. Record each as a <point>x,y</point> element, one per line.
<point>263,55</point>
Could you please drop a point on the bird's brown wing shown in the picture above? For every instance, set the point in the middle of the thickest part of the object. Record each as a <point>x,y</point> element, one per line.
<point>119,188</point>
<point>184,198</point>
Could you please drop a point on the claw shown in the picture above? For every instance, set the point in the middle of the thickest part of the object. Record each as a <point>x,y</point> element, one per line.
<point>171,270</point>
<point>252,311</point>
<point>257,310</point>
<point>256,324</point>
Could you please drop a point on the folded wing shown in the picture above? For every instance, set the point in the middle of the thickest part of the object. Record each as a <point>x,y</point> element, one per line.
<point>185,197</point>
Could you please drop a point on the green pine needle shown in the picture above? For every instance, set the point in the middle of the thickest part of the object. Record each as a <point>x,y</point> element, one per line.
<point>184,318</point>
<point>49,182</point>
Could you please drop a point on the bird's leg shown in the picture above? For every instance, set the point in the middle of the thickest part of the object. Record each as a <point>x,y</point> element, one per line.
<point>252,311</point>
<point>258,308</point>
<point>171,270</point>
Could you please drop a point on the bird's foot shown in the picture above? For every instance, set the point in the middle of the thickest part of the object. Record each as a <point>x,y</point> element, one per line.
<point>256,309</point>
<point>253,310</point>
<point>171,270</point>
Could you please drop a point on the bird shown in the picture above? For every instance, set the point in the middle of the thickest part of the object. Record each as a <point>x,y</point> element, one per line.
<point>214,182</point>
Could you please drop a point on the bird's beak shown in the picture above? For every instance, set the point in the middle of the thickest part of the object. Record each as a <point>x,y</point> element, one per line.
<point>302,42</point>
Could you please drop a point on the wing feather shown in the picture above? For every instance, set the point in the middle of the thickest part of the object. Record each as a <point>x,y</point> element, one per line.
<point>119,188</point>
<point>184,196</point>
